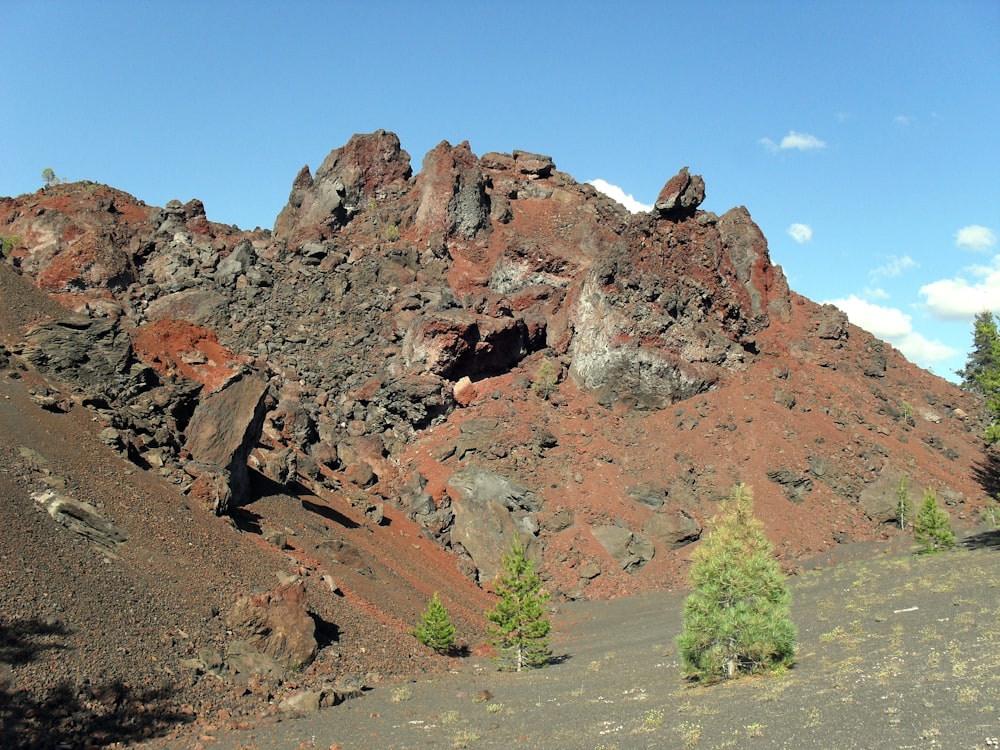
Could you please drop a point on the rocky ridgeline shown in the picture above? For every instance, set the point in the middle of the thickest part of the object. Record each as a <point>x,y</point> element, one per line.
<point>322,351</point>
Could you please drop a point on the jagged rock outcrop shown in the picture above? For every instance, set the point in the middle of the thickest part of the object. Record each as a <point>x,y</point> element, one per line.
<point>394,326</point>
<point>367,171</point>
<point>666,316</point>
<point>453,195</point>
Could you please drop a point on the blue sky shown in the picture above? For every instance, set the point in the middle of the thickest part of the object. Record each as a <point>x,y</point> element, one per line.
<point>864,137</point>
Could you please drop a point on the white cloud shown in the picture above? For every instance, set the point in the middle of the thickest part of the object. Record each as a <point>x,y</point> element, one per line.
<point>960,299</point>
<point>894,266</point>
<point>801,233</point>
<point>896,327</point>
<point>974,237</point>
<point>794,140</point>
<point>902,120</point>
<point>876,293</point>
<point>616,193</point>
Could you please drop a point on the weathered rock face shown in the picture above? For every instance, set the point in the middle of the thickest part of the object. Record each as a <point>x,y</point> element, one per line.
<point>667,315</point>
<point>453,196</point>
<point>491,513</point>
<point>395,326</point>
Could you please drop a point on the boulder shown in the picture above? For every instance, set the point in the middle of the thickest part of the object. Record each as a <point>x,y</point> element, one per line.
<point>630,550</point>
<point>672,530</point>
<point>490,513</point>
<point>650,494</point>
<point>880,501</point>
<point>225,427</point>
<point>81,518</point>
<point>681,196</point>
<point>277,625</point>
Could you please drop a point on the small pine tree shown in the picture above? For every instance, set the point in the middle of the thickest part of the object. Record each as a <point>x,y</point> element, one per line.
<point>737,617</point>
<point>520,630</point>
<point>435,629</point>
<point>932,527</point>
<point>904,504</point>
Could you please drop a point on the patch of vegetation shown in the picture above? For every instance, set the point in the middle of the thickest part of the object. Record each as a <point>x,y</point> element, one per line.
<point>736,620</point>
<point>464,739</point>
<point>49,177</point>
<point>435,629</point>
<point>546,380</point>
<point>9,244</point>
<point>653,719</point>
<point>520,625</point>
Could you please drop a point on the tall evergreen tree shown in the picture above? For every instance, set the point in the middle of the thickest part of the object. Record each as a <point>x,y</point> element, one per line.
<point>981,373</point>
<point>737,617</point>
<point>435,629</point>
<point>520,625</point>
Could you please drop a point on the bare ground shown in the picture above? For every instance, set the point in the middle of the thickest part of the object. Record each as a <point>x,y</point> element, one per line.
<point>899,651</point>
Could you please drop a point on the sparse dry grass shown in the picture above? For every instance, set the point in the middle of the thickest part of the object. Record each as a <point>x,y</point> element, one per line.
<point>908,667</point>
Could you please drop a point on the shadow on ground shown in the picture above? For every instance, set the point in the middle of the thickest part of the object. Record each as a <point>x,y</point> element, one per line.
<point>65,715</point>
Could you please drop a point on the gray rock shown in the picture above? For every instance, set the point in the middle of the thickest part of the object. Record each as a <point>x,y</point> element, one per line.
<point>81,518</point>
<point>649,494</point>
<point>794,485</point>
<point>478,483</point>
<point>235,264</point>
<point>630,550</point>
<point>672,530</point>
<point>491,511</point>
<point>225,427</point>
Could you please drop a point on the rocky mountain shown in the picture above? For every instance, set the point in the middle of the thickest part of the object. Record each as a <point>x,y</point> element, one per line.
<point>411,370</point>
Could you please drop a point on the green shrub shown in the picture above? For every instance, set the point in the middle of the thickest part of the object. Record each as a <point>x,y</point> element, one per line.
<point>932,527</point>
<point>435,629</point>
<point>546,380</point>
<point>520,629</point>
<point>7,244</point>
<point>737,617</point>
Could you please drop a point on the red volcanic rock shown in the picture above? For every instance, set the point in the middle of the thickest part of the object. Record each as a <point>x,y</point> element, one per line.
<point>223,430</point>
<point>180,348</point>
<point>277,624</point>
<point>452,192</point>
<point>682,194</point>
